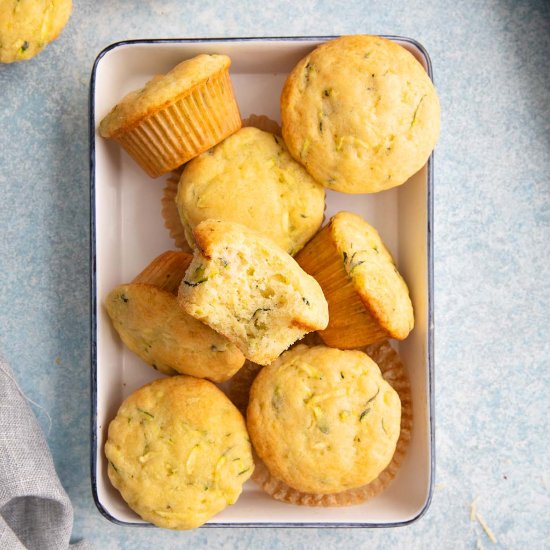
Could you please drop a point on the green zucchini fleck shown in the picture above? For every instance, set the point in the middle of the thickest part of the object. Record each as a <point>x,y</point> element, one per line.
<point>198,277</point>
<point>306,301</point>
<point>323,428</point>
<point>114,467</point>
<point>345,257</point>
<point>327,92</point>
<point>124,298</point>
<point>416,111</point>
<point>384,427</point>
<point>374,396</point>
<point>353,264</point>
<point>145,412</point>
<point>303,216</point>
<point>342,375</point>
<point>257,322</point>
<point>243,471</point>
<point>307,71</point>
<point>364,414</point>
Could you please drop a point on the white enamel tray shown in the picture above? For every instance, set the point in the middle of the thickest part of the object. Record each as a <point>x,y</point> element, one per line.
<point>127,231</point>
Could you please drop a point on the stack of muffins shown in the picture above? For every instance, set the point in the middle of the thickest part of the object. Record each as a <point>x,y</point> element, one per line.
<point>296,318</point>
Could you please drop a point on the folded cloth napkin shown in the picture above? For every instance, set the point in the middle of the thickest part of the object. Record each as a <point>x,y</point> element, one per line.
<point>35,511</point>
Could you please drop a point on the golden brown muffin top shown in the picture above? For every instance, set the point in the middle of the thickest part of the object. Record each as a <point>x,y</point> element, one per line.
<point>26,26</point>
<point>178,452</point>
<point>161,91</point>
<point>323,420</point>
<point>250,178</point>
<point>360,113</point>
<point>250,290</point>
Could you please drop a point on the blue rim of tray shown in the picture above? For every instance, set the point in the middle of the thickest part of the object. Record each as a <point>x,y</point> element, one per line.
<point>93,293</point>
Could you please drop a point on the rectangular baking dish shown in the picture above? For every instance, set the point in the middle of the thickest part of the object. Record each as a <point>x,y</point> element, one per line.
<point>127,231</point>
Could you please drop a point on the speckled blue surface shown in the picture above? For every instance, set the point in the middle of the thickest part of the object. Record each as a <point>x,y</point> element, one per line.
<point>492,253</point>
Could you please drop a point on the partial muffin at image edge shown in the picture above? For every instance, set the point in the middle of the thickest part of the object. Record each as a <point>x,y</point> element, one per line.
<point>27,26</point>
<point>178,452</point>
<point>176,116</point>
<point>247,288</point>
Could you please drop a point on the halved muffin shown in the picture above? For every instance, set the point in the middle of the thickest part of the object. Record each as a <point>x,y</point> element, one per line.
<point>248,289</point>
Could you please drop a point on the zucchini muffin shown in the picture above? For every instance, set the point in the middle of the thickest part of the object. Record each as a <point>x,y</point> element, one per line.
<point>152,325</point>
<point>251,179</point>
<point>323,420</point>
<point>148,319</point>
<point>27,26</point>
<point>245,287</point>
<point>367,297</point>
<point>178,452</point>
<point>175,117</point>
<point>360,113</point>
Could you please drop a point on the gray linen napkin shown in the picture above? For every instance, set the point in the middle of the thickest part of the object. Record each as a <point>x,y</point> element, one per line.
<point>35,511</point>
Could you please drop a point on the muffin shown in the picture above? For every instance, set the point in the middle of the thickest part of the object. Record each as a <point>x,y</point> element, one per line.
<point>178,452</point>
<point>170,213</point>
<point>368,299</point>
<point>175,117</point>
<point>360,113</point>
<point>27,26</point>
<point>245,287</point>
<point>251,179</point>
<point>323,420</point>
<point>166,271</point>
<point>148,319</point>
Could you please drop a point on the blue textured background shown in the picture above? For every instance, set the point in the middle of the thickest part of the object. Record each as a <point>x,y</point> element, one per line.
<point>492,245</point>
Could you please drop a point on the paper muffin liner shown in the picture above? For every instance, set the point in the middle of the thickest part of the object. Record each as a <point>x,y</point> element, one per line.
<point>395,374</point>
<point>264,123</point>
<point>350,323</point>
<point>170,214</point>
<point>185,128</point>
<point>166,271</point>
<point>239,386</point>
